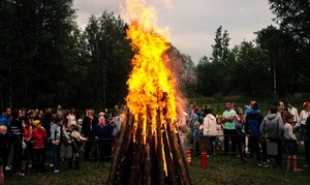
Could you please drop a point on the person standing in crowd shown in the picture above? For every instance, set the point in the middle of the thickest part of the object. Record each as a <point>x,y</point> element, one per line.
<point>307,142</point>
<point>77,140</point>
<point>39,135</point>
<point>89,123</point>
<point>103,133</point>
<point>58,137</point>
<point>59,110</point>
<point>18,142</point>
<point>71,118</point>
<point>230,132</point>
<point>239,123</point>
<point>197,137</point>
<point>183,130</point>
<point>5,120</point>
<point>27,137</point>
<point>31,115</point>
<point>304,114</point>
<point>293,111</point>
<point>272,129</point>
<point>193,119</point>
<point>291,143</point>
<point>191,109</point>
<point>252,128</point>
<point>209,132</point>
<point>4,143</point>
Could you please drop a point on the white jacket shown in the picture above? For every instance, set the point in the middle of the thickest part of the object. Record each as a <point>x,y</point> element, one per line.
<point>209,126</point>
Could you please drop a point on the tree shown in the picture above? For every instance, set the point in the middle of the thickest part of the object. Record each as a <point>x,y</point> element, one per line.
<point>220,49</point>
<point>110,56</point>
<point>33,49</point>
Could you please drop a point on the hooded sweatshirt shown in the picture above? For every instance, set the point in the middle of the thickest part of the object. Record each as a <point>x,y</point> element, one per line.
<point>209,126</point>
<point>253,122</point>
<point>272,126</point>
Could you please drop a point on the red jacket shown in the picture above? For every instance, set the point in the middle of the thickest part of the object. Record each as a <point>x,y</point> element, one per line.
<point>39,134</point>
<point>27,132</point>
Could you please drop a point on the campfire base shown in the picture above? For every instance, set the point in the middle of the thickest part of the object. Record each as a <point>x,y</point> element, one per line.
<point>159,160</point>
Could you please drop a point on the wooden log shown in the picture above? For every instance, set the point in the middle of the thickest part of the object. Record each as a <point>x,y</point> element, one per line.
<point>160,162</point>
<point>172,178</point>
<point>181,165</point>
<point>148,158</point>
<point>117,155</point>
<point>137,163</point>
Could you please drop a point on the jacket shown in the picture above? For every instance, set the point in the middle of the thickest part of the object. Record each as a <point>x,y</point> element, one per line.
<point>272,127</point>
<point>209,126</point>
<point>253,122</point>
<point>39,135</point>
<point>88,127</point>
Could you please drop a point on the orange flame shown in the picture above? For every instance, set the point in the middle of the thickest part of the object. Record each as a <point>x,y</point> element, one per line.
<point>151,84</point>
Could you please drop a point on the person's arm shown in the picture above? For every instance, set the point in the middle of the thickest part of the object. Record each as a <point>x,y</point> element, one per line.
<point>65,133</point>
<point>246,126</point>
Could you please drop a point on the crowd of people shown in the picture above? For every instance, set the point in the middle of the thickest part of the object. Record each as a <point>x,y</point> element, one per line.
<point>246,132</point>
<point>35,138</point>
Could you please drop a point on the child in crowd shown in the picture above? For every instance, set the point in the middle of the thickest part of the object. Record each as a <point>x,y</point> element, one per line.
<point>291,143</point>
<point>76,139</point>
<point>39,135</point>
<point>196,137</point>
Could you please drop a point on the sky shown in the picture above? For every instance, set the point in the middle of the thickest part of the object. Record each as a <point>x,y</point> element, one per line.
<point>193,23</point>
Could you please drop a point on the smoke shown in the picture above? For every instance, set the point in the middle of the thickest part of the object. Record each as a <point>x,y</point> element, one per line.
<point>177,68</point>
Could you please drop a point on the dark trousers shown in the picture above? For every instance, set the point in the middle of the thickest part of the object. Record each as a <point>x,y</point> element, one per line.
<point>39,158</point>
<point>17,155</point>
<point>197,148</point>
<point>307,151</point>
<point>233,136</point>
<point>105,150</point>
<point>255,143</point>
<point>280,151</point>
<point>241,145</point>
<point>4,155</point>
<point>88,147</point>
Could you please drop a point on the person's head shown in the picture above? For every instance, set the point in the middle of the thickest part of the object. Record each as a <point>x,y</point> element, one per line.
<point>274,110</point>
<point>90,113</point>
<point>17,114</point>
<point>197,124</point>
<point>31,114</point>
<point>277,104</point>
<point>289,118</point>
<point>60,121</point>
<point>229,105</point>
<point>306,106</point>
<point>252,102</point>
<point>239,111</point>
<point>36,123</point>
<point>101,114</point>
<point>101,120</point>
<point>72,111</point>
<point>59,108</point>
<point>106,110</point>
<point>282,106</point>
<point>208,111</point>
<point>255,106</point>
<point>7,112</point>
<point>80,121</point>
<point>74,127</point>
<point>3,130</point>
<point>289,105</point>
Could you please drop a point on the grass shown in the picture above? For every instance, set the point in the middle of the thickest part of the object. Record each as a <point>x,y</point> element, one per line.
<point>222,170</point>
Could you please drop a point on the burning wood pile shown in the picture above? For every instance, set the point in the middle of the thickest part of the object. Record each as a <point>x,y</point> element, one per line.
<point>149,150</point>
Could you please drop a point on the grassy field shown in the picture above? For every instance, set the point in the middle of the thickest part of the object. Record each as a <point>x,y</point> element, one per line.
<point>222,170</point>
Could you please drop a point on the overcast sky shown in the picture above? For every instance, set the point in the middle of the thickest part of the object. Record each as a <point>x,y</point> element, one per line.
<point>193,23</point>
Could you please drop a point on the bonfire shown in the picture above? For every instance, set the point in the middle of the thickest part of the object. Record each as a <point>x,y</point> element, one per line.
<point>149,150</point>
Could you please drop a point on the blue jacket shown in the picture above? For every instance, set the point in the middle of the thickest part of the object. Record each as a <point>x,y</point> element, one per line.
<point>253,122</point>
<point>4,120</point>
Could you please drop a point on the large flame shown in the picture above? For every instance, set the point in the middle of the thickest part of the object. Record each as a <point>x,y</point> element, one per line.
<point>152,87</point>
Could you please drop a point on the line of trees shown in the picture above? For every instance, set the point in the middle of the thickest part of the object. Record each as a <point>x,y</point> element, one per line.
<point>46,59</point>
<point>276,63</point>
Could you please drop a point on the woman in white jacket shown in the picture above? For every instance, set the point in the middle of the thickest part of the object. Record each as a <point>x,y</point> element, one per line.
<point>209,131</point>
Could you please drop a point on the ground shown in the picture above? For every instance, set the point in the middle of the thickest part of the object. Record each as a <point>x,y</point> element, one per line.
<point>222,170</point>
